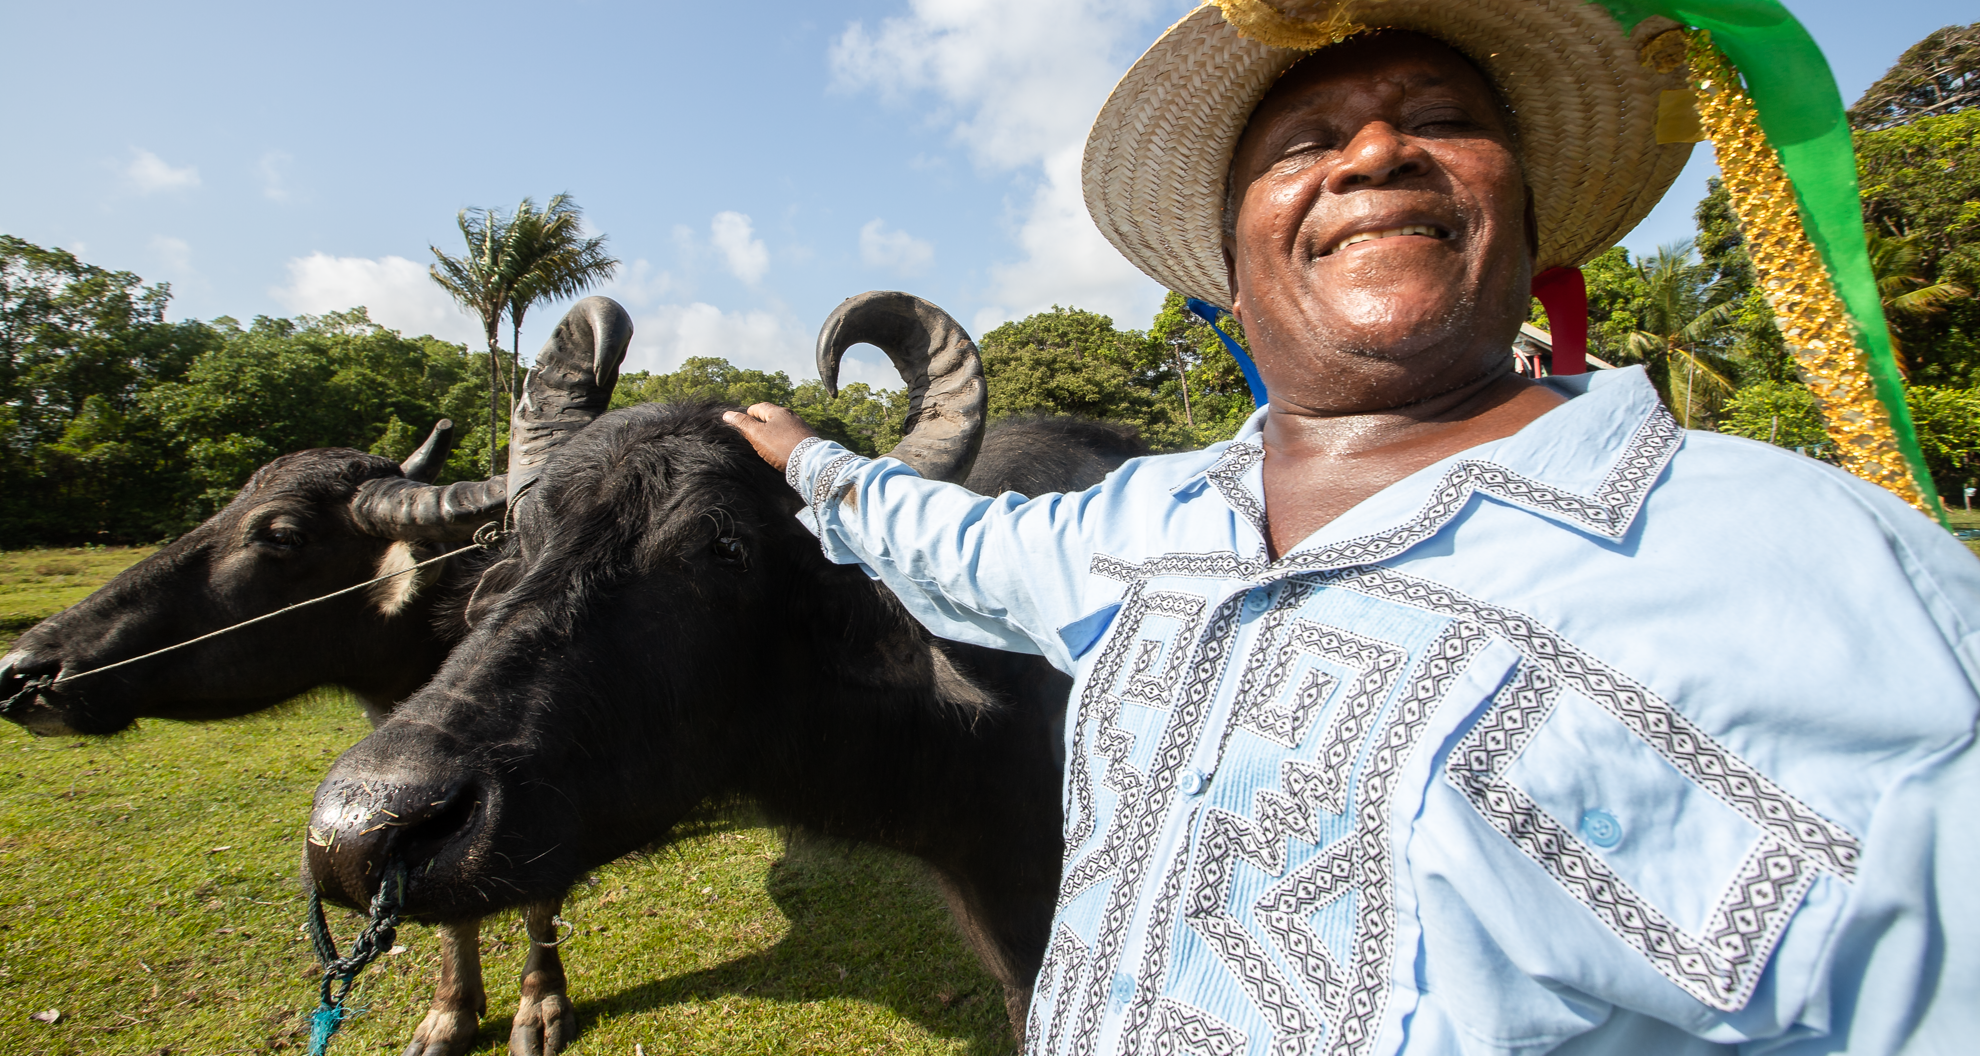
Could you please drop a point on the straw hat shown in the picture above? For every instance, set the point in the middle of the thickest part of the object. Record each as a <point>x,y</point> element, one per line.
<point>1584,91</point>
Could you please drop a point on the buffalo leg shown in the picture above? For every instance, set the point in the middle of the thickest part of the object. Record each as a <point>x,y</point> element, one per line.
<point>545,1021</point>
<point>977,921</point>
<point>459,1000</point>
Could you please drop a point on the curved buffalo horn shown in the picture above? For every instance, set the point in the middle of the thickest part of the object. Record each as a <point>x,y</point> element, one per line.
<point>946,396</point>
<point>398,508</point>
<point>570,384</point>
<point>427,462</point>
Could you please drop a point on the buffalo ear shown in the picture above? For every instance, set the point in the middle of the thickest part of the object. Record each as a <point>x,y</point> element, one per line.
<point>495,581</point>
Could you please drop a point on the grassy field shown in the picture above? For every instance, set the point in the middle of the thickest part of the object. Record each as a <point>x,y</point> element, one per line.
<point>37,584</point>
<point>1962,519</point>
<point>150,892</point>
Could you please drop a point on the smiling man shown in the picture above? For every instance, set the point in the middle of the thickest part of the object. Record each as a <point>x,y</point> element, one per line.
<point>1444,711</point>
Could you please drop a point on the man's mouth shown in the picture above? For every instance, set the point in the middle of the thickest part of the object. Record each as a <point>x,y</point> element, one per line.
<point>1426,230</point>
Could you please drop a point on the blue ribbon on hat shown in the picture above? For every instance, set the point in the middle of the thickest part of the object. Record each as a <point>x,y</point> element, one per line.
<point>1209,313</point>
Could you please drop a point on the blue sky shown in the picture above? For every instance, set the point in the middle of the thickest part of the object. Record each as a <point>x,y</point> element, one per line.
<point>753,164</point>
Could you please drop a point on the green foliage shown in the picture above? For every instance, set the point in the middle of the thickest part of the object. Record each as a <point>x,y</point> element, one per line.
<point>862,418</point>
<point>1937,75</point>
<point>121,427</point>
<point>335,380</point>
<point>1922,180</point>
<point>1616,302</point>
<point>1948,422</point>
<point>1783,413</point>
<point>1070,361</point>
<point>79,346</point>
<point>1220,399</point>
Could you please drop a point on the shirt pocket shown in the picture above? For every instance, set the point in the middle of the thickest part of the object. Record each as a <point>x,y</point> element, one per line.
<point>1698,888</point>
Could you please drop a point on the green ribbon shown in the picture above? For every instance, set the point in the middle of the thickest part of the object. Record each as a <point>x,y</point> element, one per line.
<point>1802,113</point>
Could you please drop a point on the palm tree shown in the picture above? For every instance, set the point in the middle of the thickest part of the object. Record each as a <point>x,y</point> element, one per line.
<point>1682,315</point>
<point>1898,262</point>
<point>513,263</point>
<point>556,262</point>
<point>480,280</point>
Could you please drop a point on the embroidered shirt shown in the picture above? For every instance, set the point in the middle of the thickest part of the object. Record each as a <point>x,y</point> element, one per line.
<point>1600,737</point>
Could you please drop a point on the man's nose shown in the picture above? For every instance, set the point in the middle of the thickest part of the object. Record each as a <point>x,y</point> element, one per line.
<point>1379,153</point>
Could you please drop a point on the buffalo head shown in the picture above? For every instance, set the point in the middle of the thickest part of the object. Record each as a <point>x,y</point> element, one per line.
<point>305,525</point>
<point>660,631</point>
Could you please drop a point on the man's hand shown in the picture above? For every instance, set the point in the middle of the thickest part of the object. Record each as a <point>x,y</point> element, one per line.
<point>771,430</point>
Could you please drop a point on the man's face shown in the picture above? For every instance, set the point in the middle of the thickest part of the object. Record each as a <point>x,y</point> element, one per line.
<point>1381,229</point>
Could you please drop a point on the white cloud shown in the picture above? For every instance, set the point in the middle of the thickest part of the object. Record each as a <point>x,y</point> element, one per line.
<point>398,292</point>
<point>175,254</point>
<point>897,251</point>
<point>747,257</point>
<point>149,173</point>
<point>1023,79</point>
<point>274,186</point>
<point>755,338</point>
<point>639,284</point>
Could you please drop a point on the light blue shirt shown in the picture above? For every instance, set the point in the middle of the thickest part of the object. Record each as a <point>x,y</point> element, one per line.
<point>1601,737</point>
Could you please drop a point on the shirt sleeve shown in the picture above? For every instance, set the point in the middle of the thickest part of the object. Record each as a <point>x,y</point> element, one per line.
<point>1004,572</point>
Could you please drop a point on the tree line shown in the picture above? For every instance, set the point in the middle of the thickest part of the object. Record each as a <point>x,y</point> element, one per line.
<point>119,426</point>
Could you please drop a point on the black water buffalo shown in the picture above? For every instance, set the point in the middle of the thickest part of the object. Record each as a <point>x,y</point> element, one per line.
<point>305,525</point>
<point>661,632</point>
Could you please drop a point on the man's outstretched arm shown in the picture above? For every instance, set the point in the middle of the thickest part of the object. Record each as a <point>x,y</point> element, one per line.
<point>1005,572</point>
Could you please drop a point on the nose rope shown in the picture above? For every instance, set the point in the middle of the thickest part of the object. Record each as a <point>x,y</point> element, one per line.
<point>376,938</point>
<point>486,537</point>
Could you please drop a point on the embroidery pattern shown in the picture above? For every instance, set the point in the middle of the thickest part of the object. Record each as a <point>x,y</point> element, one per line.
<point>1373,869</point>
<point>1227,476</point>
<point>1131,838</point>
<point>1608,512</point>
<point>1065,961</point>
<point>1283,720</point>
<point>1109,740</point>
<point>1720,968</point>
<point>1148,1004</point>
<point>1827,845</point>
<point>794,466</point>
<point>1291,811</point>
<point>1183,1030</point>
<point>821,486</point>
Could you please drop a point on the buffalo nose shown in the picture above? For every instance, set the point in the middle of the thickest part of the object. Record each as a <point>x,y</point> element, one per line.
<point>357,828</point>
<point>23,677</point>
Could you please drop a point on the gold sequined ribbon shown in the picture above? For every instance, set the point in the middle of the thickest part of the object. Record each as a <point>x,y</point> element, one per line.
<point>1811,317</point>
<point>1260,21</point>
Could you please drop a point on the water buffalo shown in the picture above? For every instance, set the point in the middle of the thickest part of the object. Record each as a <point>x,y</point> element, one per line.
<point>661,632</point>
<point>305,525</point>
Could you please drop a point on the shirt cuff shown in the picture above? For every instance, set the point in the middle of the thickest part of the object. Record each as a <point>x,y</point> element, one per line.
<point>815,468</point>
<point>794,464</point>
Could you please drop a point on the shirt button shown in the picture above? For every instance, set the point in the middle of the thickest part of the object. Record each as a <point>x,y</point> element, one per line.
<point>1257,601</point>
<point>1601,828</point>
<point>1122,989</point>
<point>1193,782</point>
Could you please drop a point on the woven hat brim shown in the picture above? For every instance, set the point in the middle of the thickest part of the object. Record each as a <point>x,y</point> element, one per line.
<point>1159,152</point>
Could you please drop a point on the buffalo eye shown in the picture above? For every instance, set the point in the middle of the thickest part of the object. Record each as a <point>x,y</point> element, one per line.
<point>284,536</point>
<point>730,550</point>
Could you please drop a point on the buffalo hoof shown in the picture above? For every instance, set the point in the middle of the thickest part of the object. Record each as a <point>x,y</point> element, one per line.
<point>545,1023</point>
<point>444,1032</point>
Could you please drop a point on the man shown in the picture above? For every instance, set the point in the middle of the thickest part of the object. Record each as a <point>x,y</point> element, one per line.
<point>1445,711</point>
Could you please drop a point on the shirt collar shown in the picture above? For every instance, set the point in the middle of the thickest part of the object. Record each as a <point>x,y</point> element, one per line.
<point>1586,465</point>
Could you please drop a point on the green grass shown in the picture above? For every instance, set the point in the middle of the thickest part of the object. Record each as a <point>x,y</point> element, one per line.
<point>1960,518</point>
<point>37,584</point>
<point>150,891</point>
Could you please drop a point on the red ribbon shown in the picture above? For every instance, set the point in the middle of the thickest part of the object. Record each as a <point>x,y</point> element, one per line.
<point>1564,293</point>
